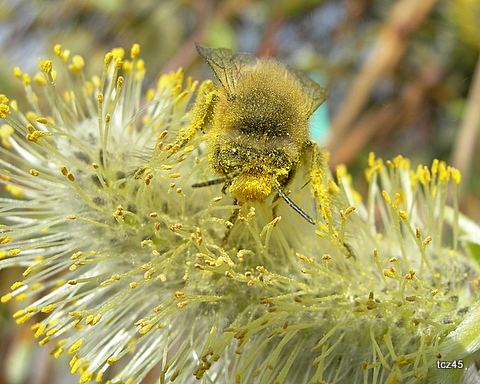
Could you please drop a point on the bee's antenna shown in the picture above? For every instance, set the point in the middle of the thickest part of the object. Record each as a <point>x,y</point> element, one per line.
<point>295,207</point>
<point>210,182</point>
<point>216,181</point>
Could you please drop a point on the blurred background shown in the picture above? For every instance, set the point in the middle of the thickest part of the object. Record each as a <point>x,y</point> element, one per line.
<point>403,77</point>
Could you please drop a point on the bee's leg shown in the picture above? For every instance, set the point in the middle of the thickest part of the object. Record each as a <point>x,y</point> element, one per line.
<point>317,172</point>
<point>140,171</point>
<point>232,219</point>
<point>317,169</point>
<point>234,214</point>
<point>275,206</point>
<point>349,250</point>
<point>202,113</point>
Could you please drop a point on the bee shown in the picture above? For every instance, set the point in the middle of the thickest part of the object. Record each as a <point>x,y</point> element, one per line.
<point>258,134</point>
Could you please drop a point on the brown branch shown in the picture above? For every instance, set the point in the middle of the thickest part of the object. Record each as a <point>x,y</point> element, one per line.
<point>388,117</point>
<point>464,147</point>
<point>405,17</point>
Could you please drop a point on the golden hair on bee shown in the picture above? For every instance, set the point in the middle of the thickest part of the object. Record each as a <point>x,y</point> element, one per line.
<point>257,117</point>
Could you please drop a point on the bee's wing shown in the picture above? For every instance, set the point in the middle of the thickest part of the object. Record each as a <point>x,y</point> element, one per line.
<point>314,91</point>
<point>225,64</point>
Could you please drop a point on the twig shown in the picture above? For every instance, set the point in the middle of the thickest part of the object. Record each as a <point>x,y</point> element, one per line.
<point>464,147</point>
<point>405,17</point>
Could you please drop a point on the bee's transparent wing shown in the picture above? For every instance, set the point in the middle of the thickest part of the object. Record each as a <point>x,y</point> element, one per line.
<point>314,91</point>
<point>225,64</point>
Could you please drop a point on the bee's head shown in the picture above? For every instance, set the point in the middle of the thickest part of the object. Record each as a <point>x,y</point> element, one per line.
<point>252,159</point>
<point>249,171</point>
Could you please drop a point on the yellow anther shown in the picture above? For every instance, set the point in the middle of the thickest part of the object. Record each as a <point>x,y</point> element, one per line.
<point>14,105</point>
<point>23,319</point>
<point>96,82</point>
<point>333,186</point>
<point>40,330</point>
<point>75,363</point>
<point>396,200</point>
<point>16,285</point>
<point>386,197</point>
<point>145,329</point>
<point>74,348</point>
<point>6,298</point>
<point>323,227</point>
<point>135,51</point>
<point>34,136</point>
<point>127,66</point>
<point>118,53</point>
<point>427,175</point>
<point>42,120</point>
<point>456,175</point>
<point>349,210</point>
<point>118,63</point>
<point>45,65</point>
<point>77,64</point>
<point>57,48</point>
<point>44,341</point>
<point>388,273</point>
<point>427,241</point>
<point>108,58</point>
<point>52,331</point>
<point>397,161</point>
<point>17,72</point>
<point>48,308</point>
<point>86,377</point>
<point>4,110</point>
<point>15,190</point>
<point>64,55</point>
<point>150,94</point>
<point>140,65</point>
<point>444,172</point>
<point>21,296</point>
<point>78,61</point>
<point>434,167</point>
<point>58,352</point>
